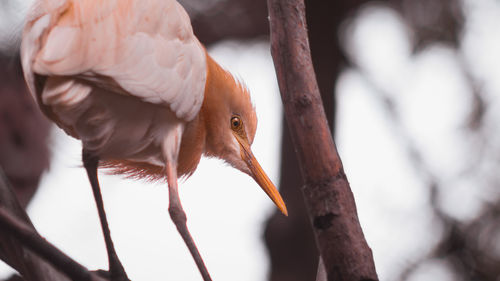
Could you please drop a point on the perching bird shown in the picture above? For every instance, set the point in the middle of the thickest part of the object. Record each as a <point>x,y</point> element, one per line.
<point>132,82</point>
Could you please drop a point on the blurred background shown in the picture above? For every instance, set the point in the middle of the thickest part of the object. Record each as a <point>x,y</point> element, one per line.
<point>412,94</point>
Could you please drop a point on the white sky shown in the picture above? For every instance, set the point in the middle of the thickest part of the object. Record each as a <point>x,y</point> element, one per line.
<point>226,208</point>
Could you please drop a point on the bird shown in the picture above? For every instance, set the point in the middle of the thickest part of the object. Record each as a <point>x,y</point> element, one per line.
<point>130,79</point>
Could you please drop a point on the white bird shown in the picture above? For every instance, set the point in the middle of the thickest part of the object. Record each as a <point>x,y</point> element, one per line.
<point>132,82</point>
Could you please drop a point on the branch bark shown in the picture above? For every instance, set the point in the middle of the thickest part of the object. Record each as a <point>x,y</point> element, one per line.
<point>26,251</point>
<point>328,197</point>
<point>28,264</point>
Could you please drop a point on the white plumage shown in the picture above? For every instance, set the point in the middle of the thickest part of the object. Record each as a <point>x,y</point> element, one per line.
<point>142,49</point>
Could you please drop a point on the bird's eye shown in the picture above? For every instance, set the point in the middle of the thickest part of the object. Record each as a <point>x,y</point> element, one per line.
<point>235,122</point>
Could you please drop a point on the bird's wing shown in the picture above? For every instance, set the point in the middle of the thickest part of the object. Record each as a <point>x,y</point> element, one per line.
<point>142,48</point>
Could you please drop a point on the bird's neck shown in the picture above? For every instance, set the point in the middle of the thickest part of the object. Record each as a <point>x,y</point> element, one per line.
<point>220,83</point>
<point>192,146</point>
<point>197,137</point>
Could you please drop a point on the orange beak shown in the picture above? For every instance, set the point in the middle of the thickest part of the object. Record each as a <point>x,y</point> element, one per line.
<point>260,176</point>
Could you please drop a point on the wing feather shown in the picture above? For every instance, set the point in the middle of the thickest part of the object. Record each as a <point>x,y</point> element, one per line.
<point>143,48</point>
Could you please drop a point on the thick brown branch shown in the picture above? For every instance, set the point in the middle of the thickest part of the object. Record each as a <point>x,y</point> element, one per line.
<point>30,238</point>
<point>19,241</point>
<point>328,197</point>
<point>28,264</point>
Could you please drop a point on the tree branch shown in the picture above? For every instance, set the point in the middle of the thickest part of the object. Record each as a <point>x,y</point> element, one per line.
<point>329,199</point>
<point>19,242</point>
<point>30,238</point>
<point>29,265</point>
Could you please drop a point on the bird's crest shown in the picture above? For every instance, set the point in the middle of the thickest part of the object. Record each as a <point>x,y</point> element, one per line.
<point>223,89</point>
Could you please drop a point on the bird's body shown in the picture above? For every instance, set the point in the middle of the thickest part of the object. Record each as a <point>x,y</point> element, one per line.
<point>93,63</point>
<point>132,82</point>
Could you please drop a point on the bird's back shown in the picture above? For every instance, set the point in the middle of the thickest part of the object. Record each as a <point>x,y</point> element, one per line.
<point>114,73</point>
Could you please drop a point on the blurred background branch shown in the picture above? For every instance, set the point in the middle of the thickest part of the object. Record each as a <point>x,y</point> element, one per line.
<point>23,131</point>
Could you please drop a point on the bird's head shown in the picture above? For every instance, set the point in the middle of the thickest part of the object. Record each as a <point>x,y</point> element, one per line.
<point>231,123</point>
